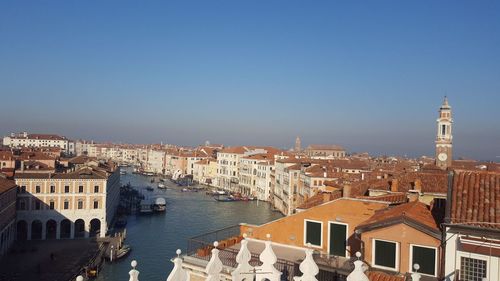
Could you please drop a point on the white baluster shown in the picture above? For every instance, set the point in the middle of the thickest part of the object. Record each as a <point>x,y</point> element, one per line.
<point>134,273</point>
<point>358,274</point>
<point>416,276</point>
<point>178,273</point>
<point>243,259</point>
<point>268,259</point>
<point>308,267</point>
<point>214,266</point>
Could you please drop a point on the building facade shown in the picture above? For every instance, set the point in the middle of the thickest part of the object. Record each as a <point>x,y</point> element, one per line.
<point>39,140</point>
<point>67,205</point>
<point>7,214</point>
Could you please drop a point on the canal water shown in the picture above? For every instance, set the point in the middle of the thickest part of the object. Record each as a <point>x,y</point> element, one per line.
<point>155,238</point>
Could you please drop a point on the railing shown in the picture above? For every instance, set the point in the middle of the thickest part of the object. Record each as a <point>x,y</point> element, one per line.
<point>202,250</point>
<point>210,237</point>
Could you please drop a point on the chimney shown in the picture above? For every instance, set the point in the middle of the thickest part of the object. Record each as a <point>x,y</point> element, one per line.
<point>326,197</point>
<point>418,185</point>
<point>346,191</point>
<point>394,185</point>
<point>412,196</point>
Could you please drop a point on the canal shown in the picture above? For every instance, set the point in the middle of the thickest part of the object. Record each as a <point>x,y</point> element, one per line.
<point>154,238</point>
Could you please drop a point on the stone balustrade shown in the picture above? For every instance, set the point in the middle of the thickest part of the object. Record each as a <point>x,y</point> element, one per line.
<point>264,272</point>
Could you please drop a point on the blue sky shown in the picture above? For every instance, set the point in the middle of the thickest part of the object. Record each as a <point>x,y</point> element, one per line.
<point>369,75</point>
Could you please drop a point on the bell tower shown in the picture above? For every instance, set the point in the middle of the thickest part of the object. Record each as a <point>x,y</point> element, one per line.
<point>444,137</point>
<point>298,147</point>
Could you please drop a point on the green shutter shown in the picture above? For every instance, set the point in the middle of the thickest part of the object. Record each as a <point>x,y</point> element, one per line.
<point>385,254</point>
<point>338,237</point>
<point>313,233</point>
<point>426,259</point>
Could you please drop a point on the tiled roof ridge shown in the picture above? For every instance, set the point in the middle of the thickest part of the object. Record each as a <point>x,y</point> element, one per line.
<point>382,276</point>
<point>406,212</point>
<point>475,198</point>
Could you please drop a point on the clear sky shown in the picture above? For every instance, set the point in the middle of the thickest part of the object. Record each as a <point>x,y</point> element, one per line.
<point>369,75</point>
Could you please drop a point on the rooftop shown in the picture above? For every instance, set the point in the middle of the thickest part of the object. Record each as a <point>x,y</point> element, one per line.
<point>474,199</point>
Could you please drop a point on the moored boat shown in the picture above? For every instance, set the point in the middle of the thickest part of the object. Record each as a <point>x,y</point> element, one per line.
<point>162,186</point>
<point>160,205</point>
<point>225,199</point>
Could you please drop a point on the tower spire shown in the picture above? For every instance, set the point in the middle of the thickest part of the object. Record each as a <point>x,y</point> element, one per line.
<point>444,136</point>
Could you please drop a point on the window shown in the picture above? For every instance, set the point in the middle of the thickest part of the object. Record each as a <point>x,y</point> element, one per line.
<point>51,205</point>
<point>80,204</point>
<point>443,130</point>
<point>472,269</point>
<point>38,206</point>
<point>385,253</point>
<point>22,205</point>
<point>80,189</point>
<point>52,189</point>
<point>96,189</point>
<point>66,189</point>
<point>37,189</point>
<point>313,233</point>
<point>426,259</point>
<point>338,239</point>
<point>96,204</point>
<point>66,205</point>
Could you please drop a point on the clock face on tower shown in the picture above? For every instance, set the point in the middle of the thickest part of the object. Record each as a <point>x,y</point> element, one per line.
<point>442,156</point>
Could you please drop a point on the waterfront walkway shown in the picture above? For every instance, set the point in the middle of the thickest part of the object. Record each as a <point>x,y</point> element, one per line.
<point>49,260</point>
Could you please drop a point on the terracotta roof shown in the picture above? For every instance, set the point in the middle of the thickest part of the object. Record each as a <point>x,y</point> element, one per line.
<point>234,150</point>
<point>415,212</point>
<point>35,155</point>
<point>475,165</point>
<point>325,147</point>
<point>6,185</point>
<point>82,159</point>
<point>82,173</point>
<point>398,198</point>
<point>475,199</point>
<point>6,155</point>
<point>355,164</point>
<point>430,181</point>
<point>40,136</point>
<point>382,276</point>
<point>320,198</point>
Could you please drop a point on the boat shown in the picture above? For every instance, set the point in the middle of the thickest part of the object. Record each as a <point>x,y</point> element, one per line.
<point>162,186</point>
<point>123,172</point>
<point>219,192</point>
<point>185,190</point>
<point>225,199</point>
<point>149,188</point>
<point>122,252</point>
<point>162,179</point>
<point>160,205</point>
